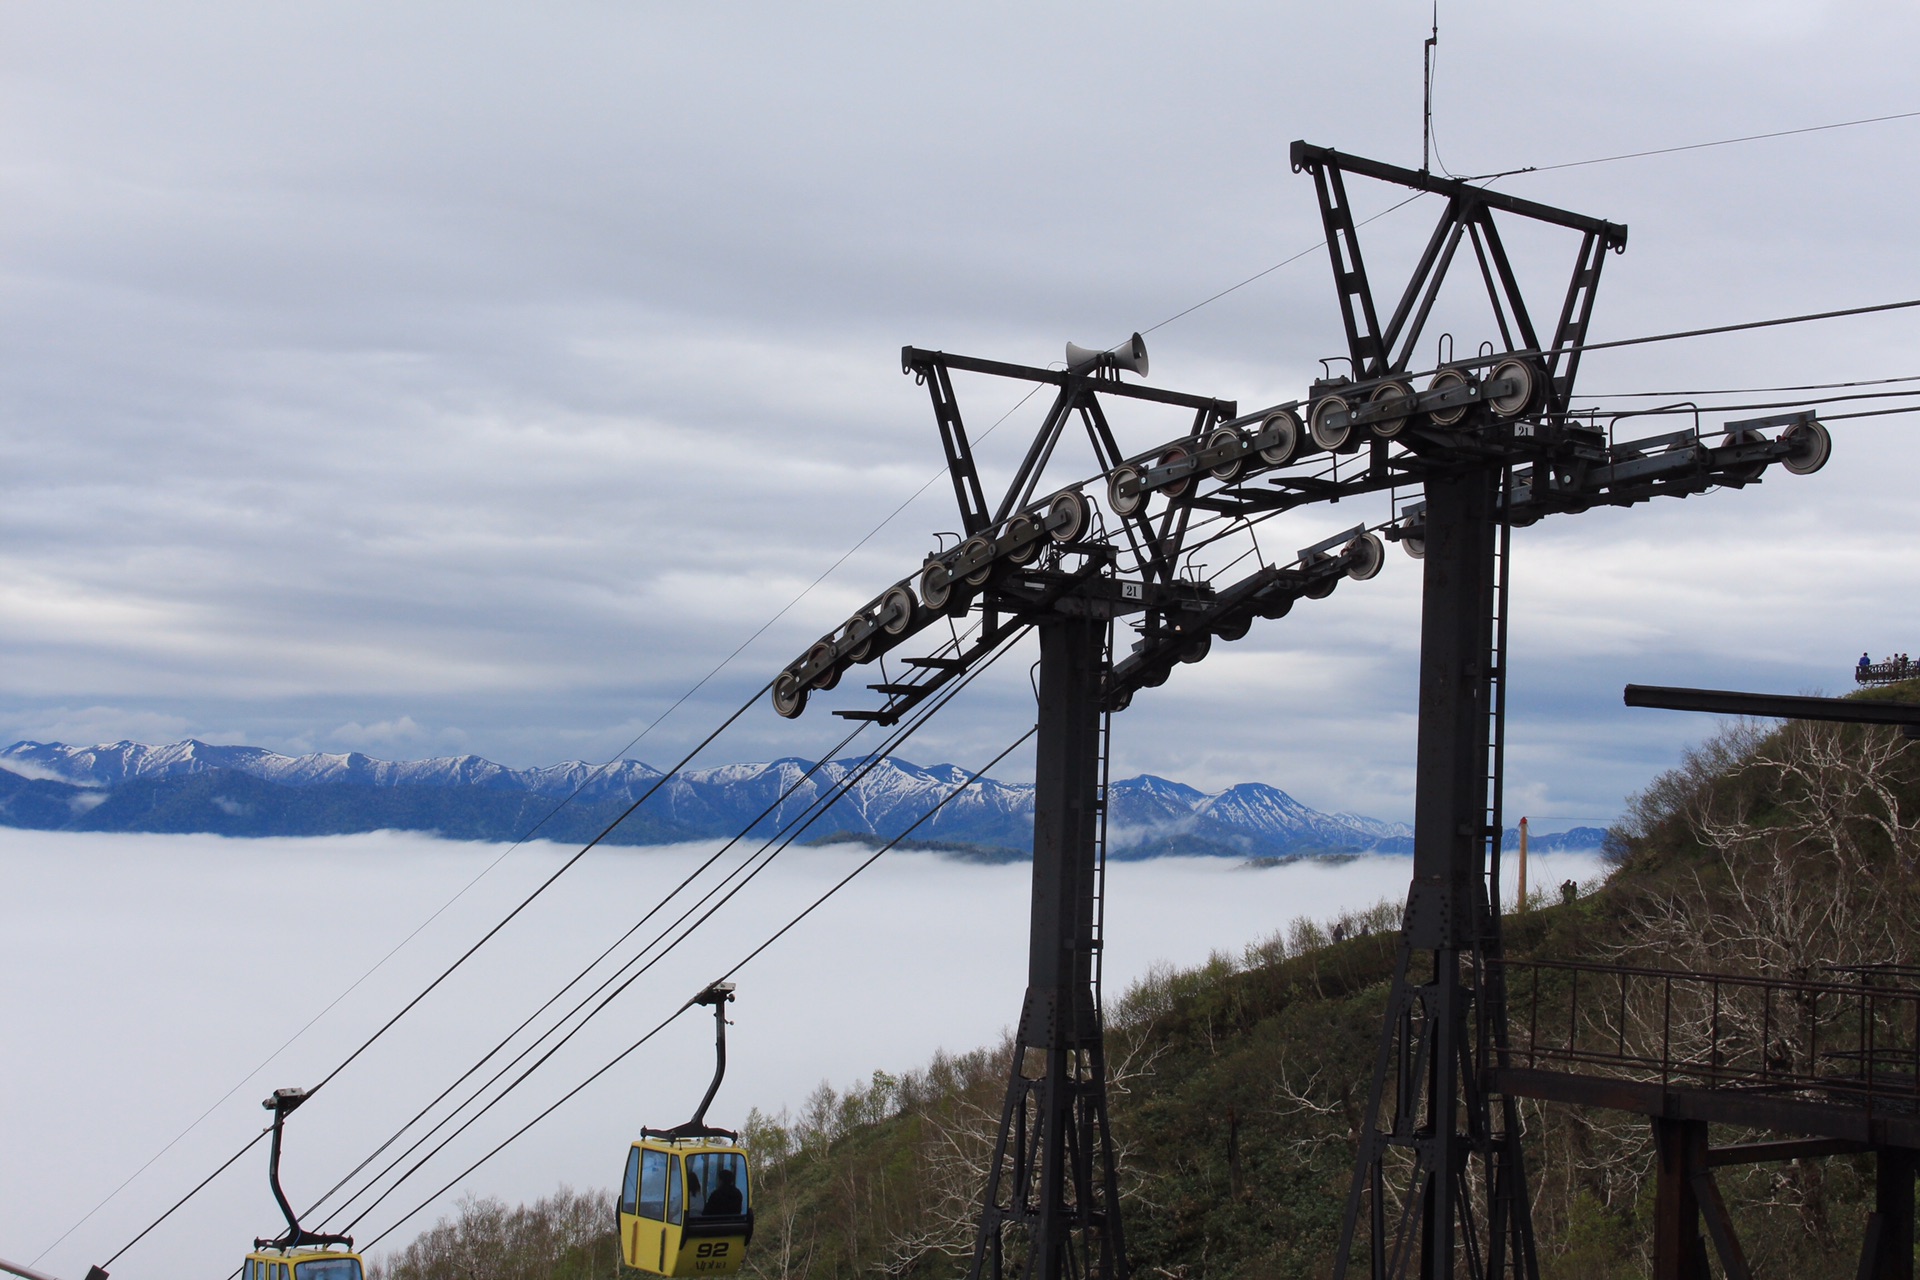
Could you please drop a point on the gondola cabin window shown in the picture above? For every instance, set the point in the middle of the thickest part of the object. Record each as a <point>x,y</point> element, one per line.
<point>327,1269</point>
<point>653,1185</point>
<point>716,1184</point>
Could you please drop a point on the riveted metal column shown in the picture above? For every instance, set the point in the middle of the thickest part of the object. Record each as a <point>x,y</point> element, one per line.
<point>1429,1089</point>
<point>1051,1207</point>
<point>1446,902</point>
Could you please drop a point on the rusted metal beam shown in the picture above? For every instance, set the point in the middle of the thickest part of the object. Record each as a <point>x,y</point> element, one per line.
<point>1780,1152</point>
<point>1718,1106</point>
<point>1713,1211</point>
<point>1727,702</point>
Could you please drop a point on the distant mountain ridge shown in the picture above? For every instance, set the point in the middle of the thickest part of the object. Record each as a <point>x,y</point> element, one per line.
<point>110,764</point>
<point>194,786</point>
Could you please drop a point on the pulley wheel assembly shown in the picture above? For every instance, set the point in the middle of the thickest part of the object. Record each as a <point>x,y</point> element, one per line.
<point>936,585</point>
<point>1388,393</point>
<point>1123,477</point>
<point>1282,430</point>
<point>1228,438</point>
<point>1447,380</point>
<point>1325,434</point>
<point>1066,516</point>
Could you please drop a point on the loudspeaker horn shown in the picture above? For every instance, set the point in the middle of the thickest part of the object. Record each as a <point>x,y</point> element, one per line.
<point>1130,355</point>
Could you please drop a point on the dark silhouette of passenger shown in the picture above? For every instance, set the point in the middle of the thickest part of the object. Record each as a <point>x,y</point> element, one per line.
<point>724,1201</point>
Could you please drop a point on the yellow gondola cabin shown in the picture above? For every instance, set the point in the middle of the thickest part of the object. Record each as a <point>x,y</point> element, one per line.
<point>305,1263</point>
<point>686,1206</point>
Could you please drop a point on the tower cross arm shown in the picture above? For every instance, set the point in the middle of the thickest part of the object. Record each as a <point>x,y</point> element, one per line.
<point>1307,157</point>
<point>919,361</point>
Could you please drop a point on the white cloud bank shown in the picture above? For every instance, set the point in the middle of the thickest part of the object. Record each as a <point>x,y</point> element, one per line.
<point>141,977</point>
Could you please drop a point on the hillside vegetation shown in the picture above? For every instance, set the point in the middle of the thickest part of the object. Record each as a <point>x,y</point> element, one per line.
<point>1238,1087</point>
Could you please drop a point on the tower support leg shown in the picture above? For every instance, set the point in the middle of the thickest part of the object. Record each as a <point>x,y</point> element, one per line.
<point>1051,1210</point>
<point>1679,1250</point>
<point>1888,1251</point>
<point>1438,1189</point>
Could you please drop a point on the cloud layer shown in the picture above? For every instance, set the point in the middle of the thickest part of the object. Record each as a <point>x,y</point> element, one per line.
<point>252,980</point>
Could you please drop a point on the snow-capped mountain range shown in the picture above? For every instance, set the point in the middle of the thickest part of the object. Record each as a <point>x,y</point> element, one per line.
<point>195,786</point>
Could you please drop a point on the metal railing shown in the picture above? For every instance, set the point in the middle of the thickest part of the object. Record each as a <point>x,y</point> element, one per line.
<point>1853,1040</point>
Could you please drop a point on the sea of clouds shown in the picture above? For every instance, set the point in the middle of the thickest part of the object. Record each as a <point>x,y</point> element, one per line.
<point>146,980</point>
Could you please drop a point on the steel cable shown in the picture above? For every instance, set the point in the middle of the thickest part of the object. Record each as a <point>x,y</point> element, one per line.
<point>1688,407</point>
<point>1310,249</point>
<point>758,632</point>
<point>1753,391</point>
<point>522,839</point>
<point>1693,146</point>
<point>580,976</point>
<point>820,805</point>
<point>464,956</point>
<point>784,840</point>
<point>686,933</point>
<point>198,1187</point>
<point>630,1049</point>
<point>830,797</point>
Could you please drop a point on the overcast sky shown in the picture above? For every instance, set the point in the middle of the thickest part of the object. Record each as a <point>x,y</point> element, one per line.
<point>424,379</point>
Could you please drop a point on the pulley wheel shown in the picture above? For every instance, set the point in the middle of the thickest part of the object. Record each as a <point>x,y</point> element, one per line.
<point>1446,380</point>
<point>1233,627</point>
<point>1321,589</point>
<point>1069,510</point>
<point>1184,483</point>
<point>1365,555</point>
<point>848,630</point>
<point>1414,545</point>
<point>1809,445</point>
<point>1329,437</point>
<point>1282,429</point>
<point>896,609</point>
<point>1155,676</point>
<point>789,695</point>
<point>1276,606</point>
<point>1227,437</point>
<point>823,653</point>
<point>1198,648</point>
<point>936,586</point>
<point>1125,504</point>
<point>1387,392</point>
<point>977,545</point>
<point>1025,537</point>
<point>1514,402</point>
